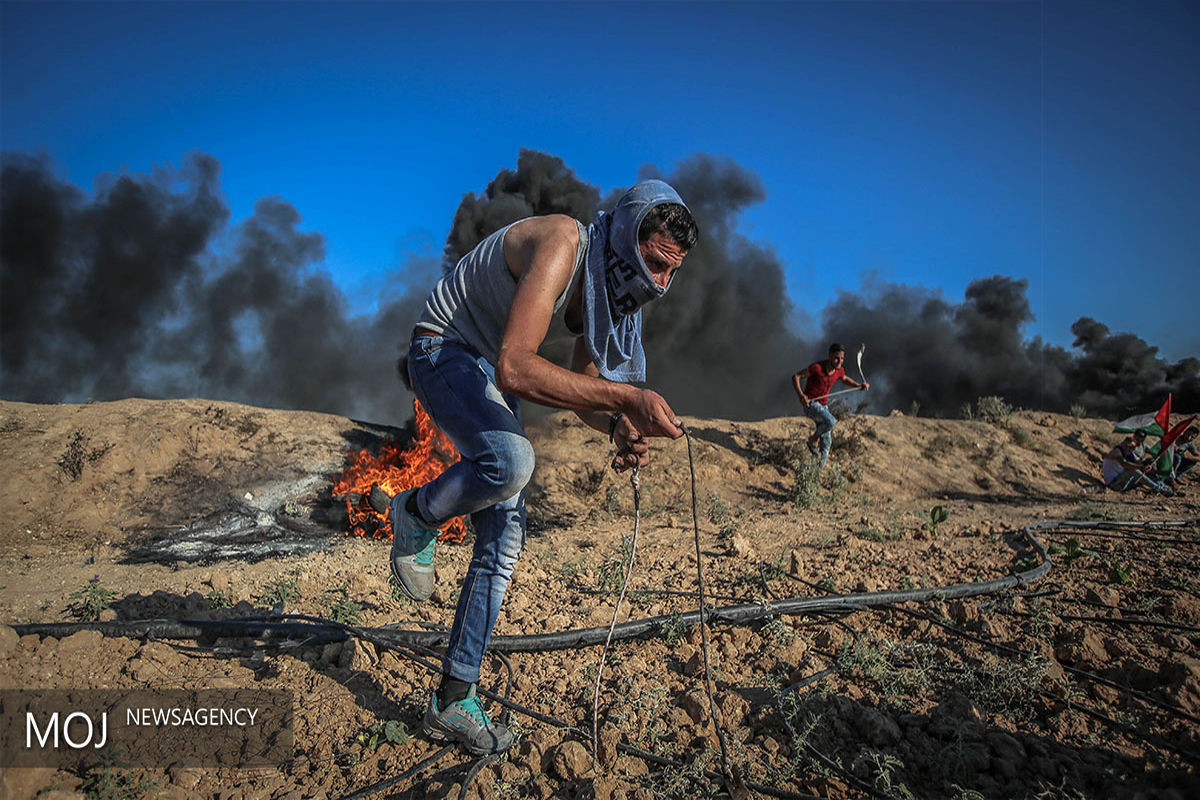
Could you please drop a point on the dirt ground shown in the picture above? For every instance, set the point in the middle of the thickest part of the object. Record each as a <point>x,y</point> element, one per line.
<point>1085,683</point>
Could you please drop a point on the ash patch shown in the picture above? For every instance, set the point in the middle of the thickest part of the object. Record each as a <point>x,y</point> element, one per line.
<point>286,518</point>
<point>242,533</point>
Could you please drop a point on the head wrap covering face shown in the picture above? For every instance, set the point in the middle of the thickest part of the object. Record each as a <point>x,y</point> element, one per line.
<point>618,283</point>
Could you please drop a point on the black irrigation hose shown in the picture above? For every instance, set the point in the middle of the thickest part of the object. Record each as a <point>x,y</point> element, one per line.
<point>257,627</point>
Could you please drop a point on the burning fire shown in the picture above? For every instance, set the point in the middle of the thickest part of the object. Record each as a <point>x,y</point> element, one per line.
<point>395,470</point>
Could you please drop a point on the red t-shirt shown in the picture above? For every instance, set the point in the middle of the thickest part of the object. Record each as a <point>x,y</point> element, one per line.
<point>819,384</point>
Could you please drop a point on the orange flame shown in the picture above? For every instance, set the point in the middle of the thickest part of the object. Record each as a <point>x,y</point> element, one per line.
<point>396,470</point>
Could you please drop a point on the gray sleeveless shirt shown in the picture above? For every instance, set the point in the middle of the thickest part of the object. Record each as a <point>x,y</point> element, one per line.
<point>470,303</point>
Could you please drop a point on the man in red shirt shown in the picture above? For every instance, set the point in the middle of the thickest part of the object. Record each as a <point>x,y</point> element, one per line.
<point>814,394</point>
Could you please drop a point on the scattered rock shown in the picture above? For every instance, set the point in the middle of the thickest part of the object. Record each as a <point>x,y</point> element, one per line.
<point>957,717</point>
<point>1106,595</point>
<point>8,640</point>
<point>357,655</point>
<point>740,546</point>
<point>1081,646</point>
<point>571,760</point>
<point>81,642</point>
<point>606,753</point>
<point>795,563</point>
<point>695,703</point>
<point>528,754</point>
<point>557,622</point>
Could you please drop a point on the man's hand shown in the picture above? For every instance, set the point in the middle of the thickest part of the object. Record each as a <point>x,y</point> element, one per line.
<point>632,447</point>
<point>651,416</point>
<point>864,386</point>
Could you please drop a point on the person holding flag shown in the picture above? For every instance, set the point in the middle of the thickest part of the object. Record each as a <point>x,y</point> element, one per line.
<point>1159,424</point>
<point>1124,466</point>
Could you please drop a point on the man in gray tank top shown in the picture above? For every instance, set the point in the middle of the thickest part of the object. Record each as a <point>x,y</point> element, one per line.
<point>474,357</point>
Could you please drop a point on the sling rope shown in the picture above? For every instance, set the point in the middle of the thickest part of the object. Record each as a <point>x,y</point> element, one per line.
<point>732,783</point>
<point>637,494</point>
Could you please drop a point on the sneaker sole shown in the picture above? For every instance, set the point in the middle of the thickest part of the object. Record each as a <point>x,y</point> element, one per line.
<point>404,587</point>
<point>442,735</point>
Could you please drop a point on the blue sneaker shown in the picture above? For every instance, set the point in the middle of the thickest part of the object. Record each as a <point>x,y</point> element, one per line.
<point>412,550</point>
<point>467,723</point>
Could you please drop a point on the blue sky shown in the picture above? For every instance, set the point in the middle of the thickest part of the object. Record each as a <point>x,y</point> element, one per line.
<point>924,143</point>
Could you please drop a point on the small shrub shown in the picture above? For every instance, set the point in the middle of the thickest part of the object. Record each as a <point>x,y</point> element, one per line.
<point>393,731</point>
<point>341,608</point>
<point>939,445</point>
<point>110,783</point>
<point>806,482</point>
<point>91,600</point>
<point>1074,551</point>
<point>1020,437</point>
<point>882,769</point>
<point>1078,411</point>
<point>78,453</point>
<point>836,483</point>
<point>777,631</point>
<point>870,534</point>
<point>852,471</point>
<point>612,571</point>
<point>898,669</point>
<point>719,514</point>
<point>280,592</point>
<point>1119,573</point>
<point>778,453</point>
<point>934,517</point>
<point>1002,686</point>
<point>674,629</point>
<point>219,599</point>
<point>993,409</point>
<point>612,500</point>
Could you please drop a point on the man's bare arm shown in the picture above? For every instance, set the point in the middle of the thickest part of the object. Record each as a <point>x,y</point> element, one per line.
<point>543,251</point>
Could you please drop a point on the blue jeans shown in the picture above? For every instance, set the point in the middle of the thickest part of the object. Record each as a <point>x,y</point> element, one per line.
<point>819,413</point>
<point>457,387</point>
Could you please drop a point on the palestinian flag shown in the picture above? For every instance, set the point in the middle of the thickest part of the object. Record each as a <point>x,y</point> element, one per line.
<point>1154,424</point>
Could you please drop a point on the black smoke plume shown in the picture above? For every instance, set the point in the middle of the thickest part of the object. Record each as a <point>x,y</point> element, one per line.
<point>143,290</point>
<point>133,293</point>
<point>940,356</point>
